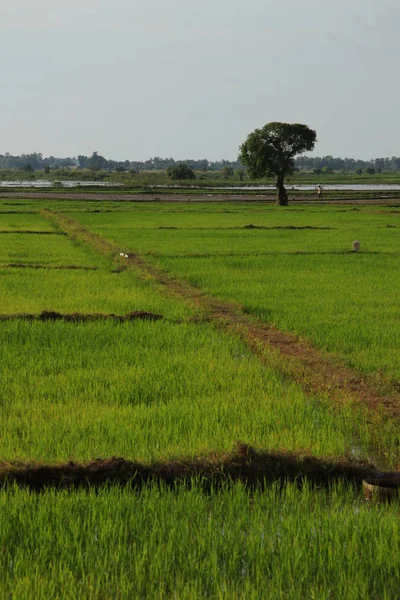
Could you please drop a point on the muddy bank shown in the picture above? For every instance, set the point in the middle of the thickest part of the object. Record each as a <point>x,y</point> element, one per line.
<point>187,196</point>
<point>30,232</point>
<point>244,464</point>
<point>50,315</point>
<point>50,267</point>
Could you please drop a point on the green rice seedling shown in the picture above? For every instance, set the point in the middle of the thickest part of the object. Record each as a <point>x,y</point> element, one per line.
<point>23,222</point>
<point>222,216</point>
<point>344,304</point>
<point>152,390</point>
<point>83,291</point>
<point>43,249</point>
<point>180,543</point>
<point>303,280</point>
<point>198,233</point>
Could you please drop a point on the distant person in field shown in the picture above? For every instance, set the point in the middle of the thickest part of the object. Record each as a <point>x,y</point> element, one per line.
<point>319,189</point>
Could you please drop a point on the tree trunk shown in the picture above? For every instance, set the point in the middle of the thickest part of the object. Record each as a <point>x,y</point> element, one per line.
<point>281,194</point>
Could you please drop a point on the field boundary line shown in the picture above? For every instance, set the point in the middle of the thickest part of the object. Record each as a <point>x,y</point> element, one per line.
<point>51,315</point>
<point>254,469</point>
<point>49,267</point>
<point>317,372</point>
<point>29,232</point>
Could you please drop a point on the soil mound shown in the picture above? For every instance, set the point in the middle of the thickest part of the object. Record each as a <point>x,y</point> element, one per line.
<point>251,226</point>
<point>244,463</point>
<point>50,315</point>
<point>141,314</point>
<point>31,232</point>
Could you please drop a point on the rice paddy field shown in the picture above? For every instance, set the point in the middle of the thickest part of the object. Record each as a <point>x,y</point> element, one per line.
<point>151,358</point>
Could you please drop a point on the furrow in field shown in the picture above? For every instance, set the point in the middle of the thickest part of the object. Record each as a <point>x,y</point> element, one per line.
<point>271,253</point>
<point>30,232</point>
<point>316,371</point>
<point>249,226</point>
<point>244,464</point>
<point>83,317</point>
<point>47,267</point>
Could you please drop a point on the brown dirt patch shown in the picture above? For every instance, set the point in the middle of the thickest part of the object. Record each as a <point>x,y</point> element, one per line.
<point>50,315</point>
<point>240,227</point>
<point>30,232</point>
<point>244,464</point>
<point>300,227</point>
<point>142,314</point>
<point>50,267</point>
<point>168,196</point>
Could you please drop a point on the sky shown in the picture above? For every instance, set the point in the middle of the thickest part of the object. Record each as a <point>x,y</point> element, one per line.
<point>134,79</point>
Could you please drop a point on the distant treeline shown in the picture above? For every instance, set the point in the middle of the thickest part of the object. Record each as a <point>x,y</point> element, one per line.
<point>330,163</point>
<point>36,161</point>
<point>96,162</point>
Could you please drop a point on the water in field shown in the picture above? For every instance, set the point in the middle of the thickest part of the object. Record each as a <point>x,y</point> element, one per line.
<point>44,183</point>
<point>363,187</point>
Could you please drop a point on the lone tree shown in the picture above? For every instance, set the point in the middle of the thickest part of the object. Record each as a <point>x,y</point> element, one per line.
<point>270,151</point>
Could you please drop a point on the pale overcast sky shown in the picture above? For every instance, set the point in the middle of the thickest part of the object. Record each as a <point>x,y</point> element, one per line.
<point>190,79</point>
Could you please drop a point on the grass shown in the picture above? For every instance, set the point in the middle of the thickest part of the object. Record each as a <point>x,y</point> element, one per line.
<point>71,291</point>
<point>42,250</point>
<point>183,544</point>
<point>154,391</point>
<point>150,391</point>
<point>345,304</point>
<point>21,222</point>
<point>302,280</point>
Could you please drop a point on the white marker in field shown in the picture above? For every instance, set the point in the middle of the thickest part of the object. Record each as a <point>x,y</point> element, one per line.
<point>126,256</point>
<point>356,246</point>
<point>121,254</point>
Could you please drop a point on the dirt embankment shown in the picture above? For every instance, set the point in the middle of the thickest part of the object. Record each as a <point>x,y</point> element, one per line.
<point>51,315</point>
<point>193,197</point>
<point>243,464</point>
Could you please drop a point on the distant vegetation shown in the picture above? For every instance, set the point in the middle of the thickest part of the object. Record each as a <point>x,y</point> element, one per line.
<point>29,163</point>
<point>180,171</point>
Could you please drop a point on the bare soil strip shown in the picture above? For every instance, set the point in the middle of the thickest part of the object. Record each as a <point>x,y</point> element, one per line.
<point>317,372</point>
<point>49,267</point>
<point>249,226</point>
<point>50,315</point>
<point>299,227</point>
<point>242,464</point>
<point>30,232</point>
<point>194,196</point>
<point>266,253</point>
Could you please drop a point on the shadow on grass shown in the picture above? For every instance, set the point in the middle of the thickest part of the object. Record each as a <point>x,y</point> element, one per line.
<point>244,464</point>
<point>81,317</point>
<point>30,232</point>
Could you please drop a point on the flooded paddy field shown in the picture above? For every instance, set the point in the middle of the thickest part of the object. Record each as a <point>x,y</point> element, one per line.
<point>221,447</point>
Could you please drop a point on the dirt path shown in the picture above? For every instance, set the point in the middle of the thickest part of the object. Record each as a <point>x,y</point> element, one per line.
<point>191,197</point>
<point>139,197</point>
<point>317,372</point>
<point>48,315</point>
<point>253,469</point>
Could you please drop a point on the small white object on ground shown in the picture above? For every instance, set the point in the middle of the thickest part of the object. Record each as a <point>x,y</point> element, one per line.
<point>356,246</point>
<point>121,254</point>
<point>126,256</point>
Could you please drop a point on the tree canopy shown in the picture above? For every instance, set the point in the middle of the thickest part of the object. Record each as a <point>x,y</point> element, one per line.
<point>180,171</point>
<point>270,151</point>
